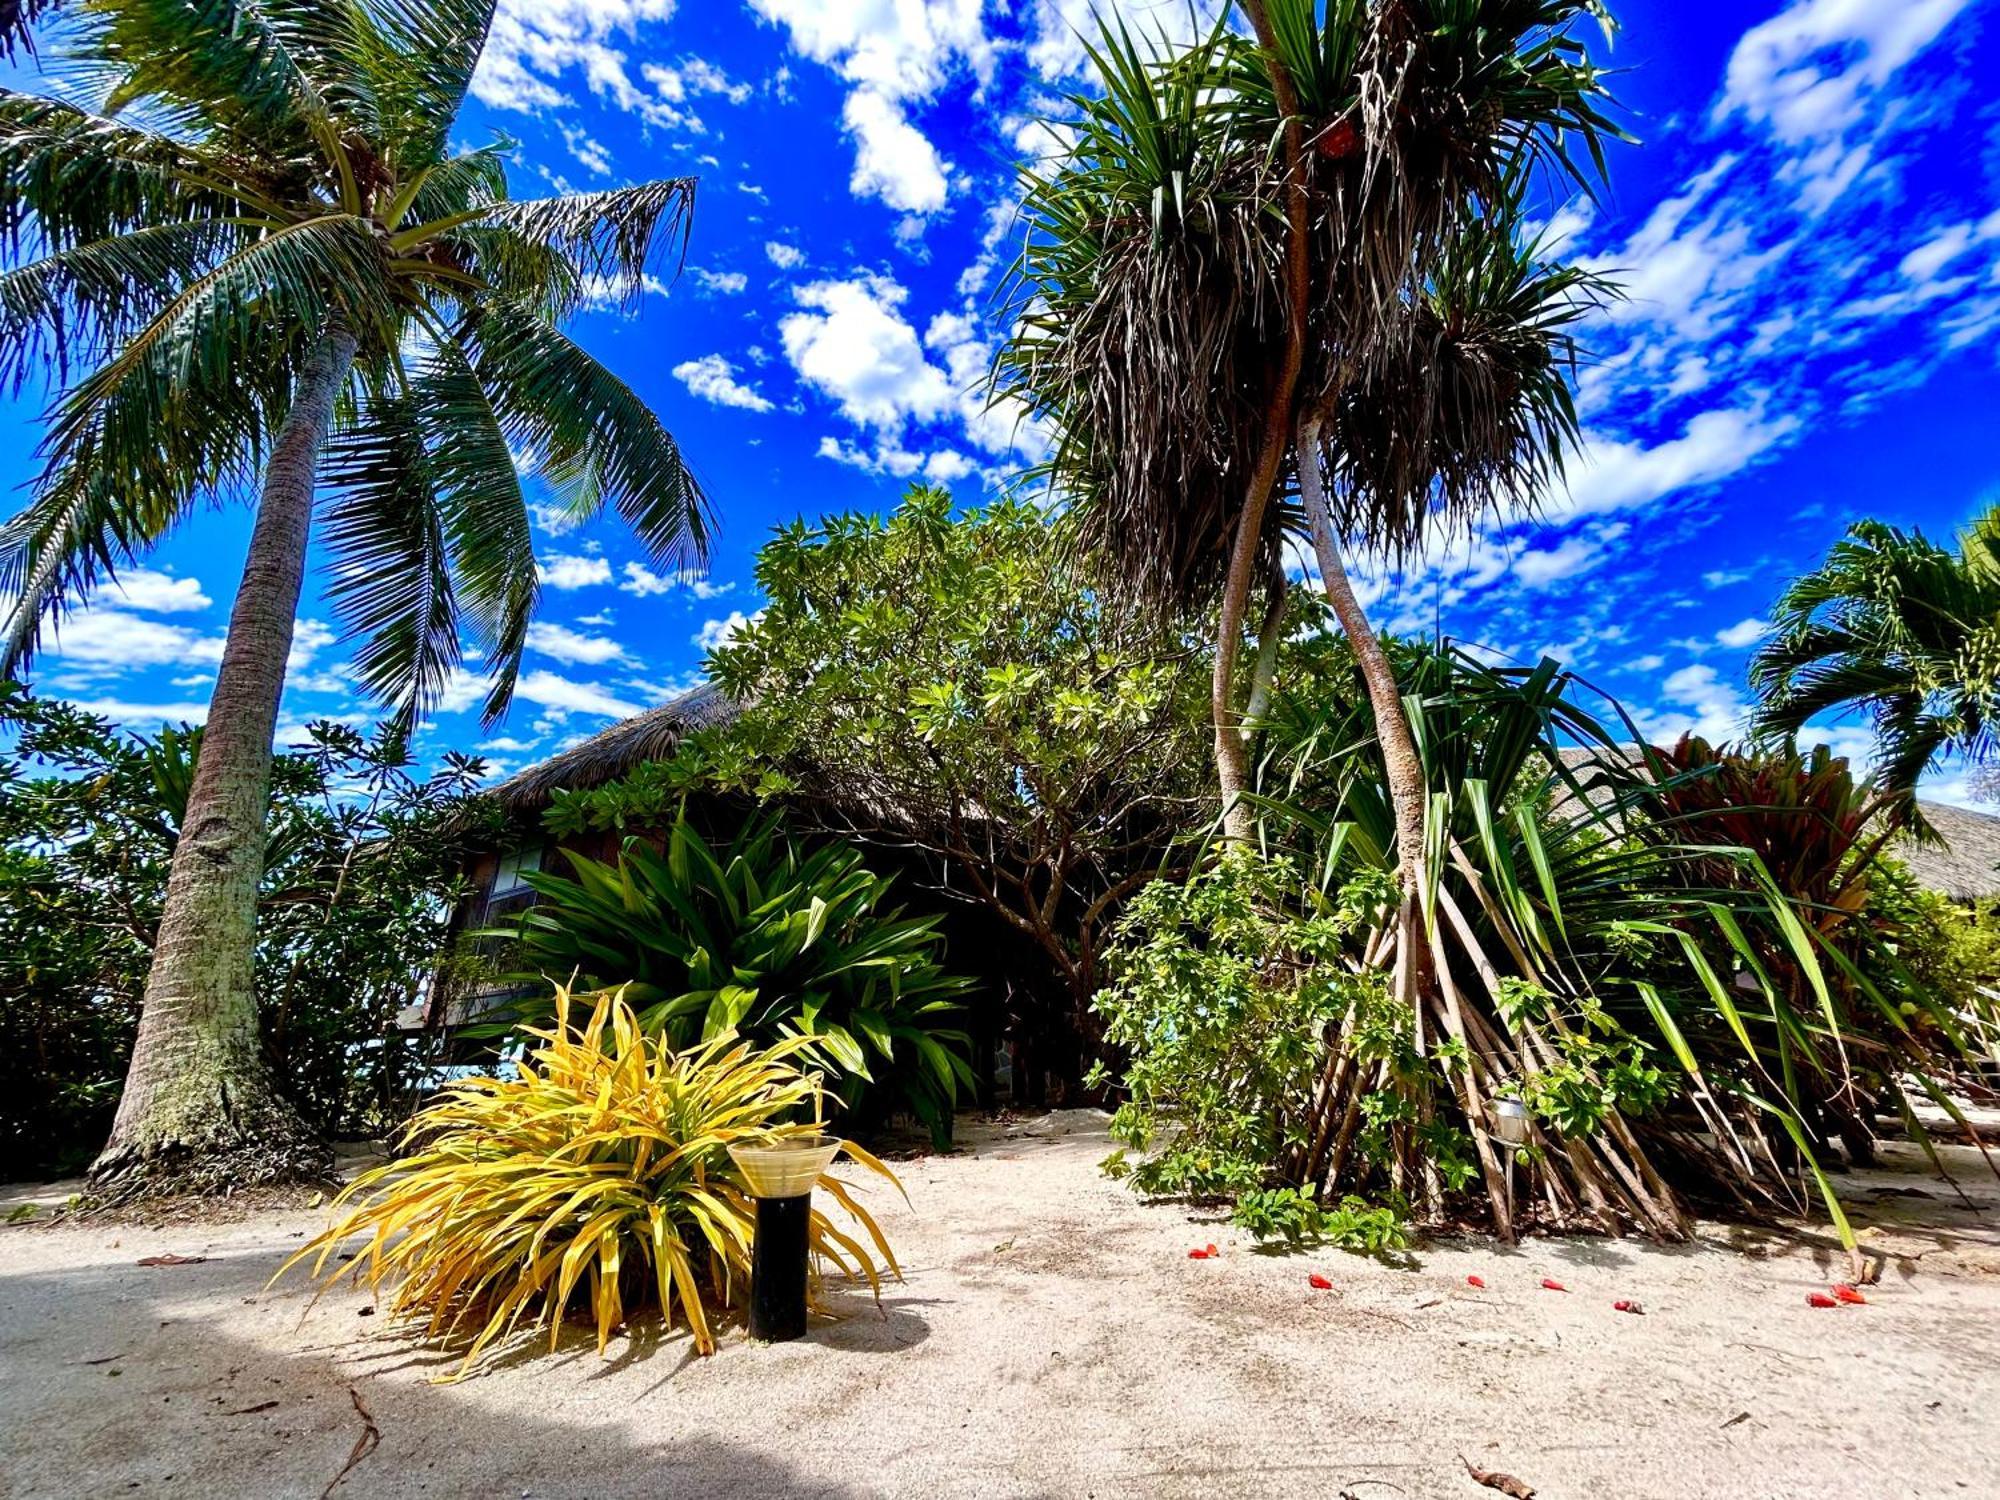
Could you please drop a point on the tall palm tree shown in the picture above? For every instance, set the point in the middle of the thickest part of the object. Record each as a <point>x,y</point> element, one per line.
<point>1902,630</point>
<point>1293,262</point>
<point>265,267</point>
<point>1294,259</point>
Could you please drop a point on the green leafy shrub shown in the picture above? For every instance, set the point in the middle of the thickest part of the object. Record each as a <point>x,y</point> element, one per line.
<point>1297,1218</point>
<point>1221,1003</point>
<point>596,1182</point>
<point>769,940</point>
<point>359,882</point>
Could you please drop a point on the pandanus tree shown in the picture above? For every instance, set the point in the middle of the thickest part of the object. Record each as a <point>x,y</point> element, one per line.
<point>1294,264</point>
<point>1901,630</point>
<point>265,267</point>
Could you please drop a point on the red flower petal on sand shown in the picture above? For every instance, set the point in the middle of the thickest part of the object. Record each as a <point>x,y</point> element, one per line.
<point>1820,1299</point>
<point>1846,1293</point>
<point>1197,1255</point>
<point>1213,1251</point>
<point>1319,1283</point>
<point>1478,1281</point>
<point>1549,1283</point>
<point>1626,1304</point>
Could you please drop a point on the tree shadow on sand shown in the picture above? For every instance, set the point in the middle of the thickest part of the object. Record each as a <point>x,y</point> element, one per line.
<point>116,1379</point>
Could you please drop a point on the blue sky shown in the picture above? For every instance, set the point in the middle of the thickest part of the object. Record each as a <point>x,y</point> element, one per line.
<point>1809,234</point>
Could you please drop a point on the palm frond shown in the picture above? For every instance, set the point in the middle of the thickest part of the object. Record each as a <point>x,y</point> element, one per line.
<point>483,513</point>
<point>391,564</point>
<point>589,434</point>
<point>612,238</point>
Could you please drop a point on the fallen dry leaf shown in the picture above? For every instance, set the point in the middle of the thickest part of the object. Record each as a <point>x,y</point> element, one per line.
<point>1493,1479</point>
<point>172,1260</point>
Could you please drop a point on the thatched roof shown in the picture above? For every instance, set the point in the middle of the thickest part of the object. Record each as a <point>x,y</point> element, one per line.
<point>610,753</point>
<point>1965,867</point>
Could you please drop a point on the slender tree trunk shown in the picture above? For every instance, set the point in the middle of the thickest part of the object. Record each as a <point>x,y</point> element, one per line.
<point>199,1113</point>
<point>1232,758</point>
<point>1404,768</point>
<point>1264,670</point>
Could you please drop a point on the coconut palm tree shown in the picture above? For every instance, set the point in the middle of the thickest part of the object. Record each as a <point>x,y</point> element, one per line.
<point>1902,630</point>
<point>265,267</point>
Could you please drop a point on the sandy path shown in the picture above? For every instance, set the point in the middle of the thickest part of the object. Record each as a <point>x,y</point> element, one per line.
<point>1052,1339</point>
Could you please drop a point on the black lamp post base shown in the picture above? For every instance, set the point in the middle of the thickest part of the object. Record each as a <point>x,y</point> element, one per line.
<point>778,1268</point>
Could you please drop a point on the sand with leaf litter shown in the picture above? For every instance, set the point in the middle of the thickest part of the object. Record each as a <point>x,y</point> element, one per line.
<point>1052,1339</point>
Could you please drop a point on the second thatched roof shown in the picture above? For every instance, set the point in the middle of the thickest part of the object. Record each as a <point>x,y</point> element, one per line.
<point>610,753</point>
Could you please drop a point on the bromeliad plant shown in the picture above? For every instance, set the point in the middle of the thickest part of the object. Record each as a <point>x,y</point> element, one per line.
<point>595,1184</point>
<point>770,941</point>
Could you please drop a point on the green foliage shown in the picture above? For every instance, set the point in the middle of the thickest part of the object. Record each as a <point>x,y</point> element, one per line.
<point>208,193</point>
<point>768,939</point>
<point>1900,629</point>
<point>357,893</point>
<point>1150,306</point>
<point>1221,995</point>
<point>1300,1220</point>
<point>1639,941</point>
<point>950,682</point>
<point>595,1182</point>
<point>1948,951</point>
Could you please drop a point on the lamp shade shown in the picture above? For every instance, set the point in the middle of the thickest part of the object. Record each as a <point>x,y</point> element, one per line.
<point>1510,1123</point>
<point>785,1169</point>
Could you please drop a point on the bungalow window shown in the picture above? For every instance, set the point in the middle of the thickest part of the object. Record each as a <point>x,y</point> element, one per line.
<point>510,891</point>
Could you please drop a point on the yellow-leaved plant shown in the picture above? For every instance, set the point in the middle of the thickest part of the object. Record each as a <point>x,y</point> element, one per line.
<point>597,1180</point>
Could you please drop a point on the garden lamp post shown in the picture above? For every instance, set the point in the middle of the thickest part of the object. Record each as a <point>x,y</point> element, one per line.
<point>1510,1129</point>
<point>781,1179</point>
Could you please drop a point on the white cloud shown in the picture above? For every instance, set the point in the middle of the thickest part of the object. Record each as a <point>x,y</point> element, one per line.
<point>693,76</point>
<point>1721,578</point>
<point>104,639</point>
<point>902,49</point>
<point>894,53</point>
<point>556,692</point>
<point>1807,71</point>
<point>715,633</point>
<point>854,345</point>
<point>309,638</point>
<point>1742,633</point>
<point>723,283</point>
<point>642,582</point>
<point>534,43</point>
<point>569,571</point>
<point>159,593</point>
<point>708,588</point>
<point>888,456</point>
<point>784,257</point>
<point>574,646</point>
<point>1706,705</point>
<point>1574,555</point>
<point>145,716</point>
<point>1615,474</point>
<point>893,160</point>
<point>713,378</point>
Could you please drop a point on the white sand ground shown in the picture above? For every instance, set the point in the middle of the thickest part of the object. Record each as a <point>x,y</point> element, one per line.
<point>1052,1339</point>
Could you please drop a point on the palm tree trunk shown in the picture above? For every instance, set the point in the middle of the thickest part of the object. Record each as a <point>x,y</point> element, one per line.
<point>199,1112</point>
<point>1232,756</point>
<point>1416,976</point>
